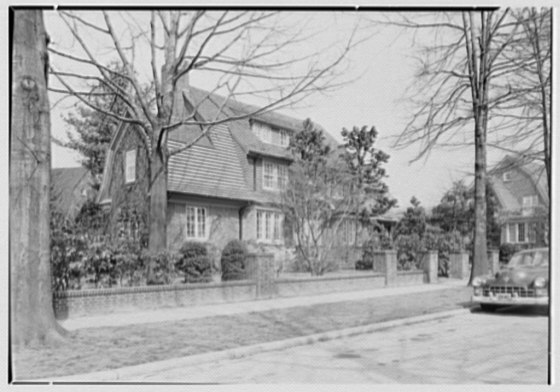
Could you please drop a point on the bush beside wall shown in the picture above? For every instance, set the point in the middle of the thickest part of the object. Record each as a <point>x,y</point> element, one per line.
<point>233,261</point>
<point>194,263</point>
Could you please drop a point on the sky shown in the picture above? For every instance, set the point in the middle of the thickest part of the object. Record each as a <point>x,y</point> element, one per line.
<point>383,67</point>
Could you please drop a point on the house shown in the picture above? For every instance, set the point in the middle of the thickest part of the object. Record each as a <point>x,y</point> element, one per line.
<point>521,190</point>
<point>71,187</point>
<point>226,186</point>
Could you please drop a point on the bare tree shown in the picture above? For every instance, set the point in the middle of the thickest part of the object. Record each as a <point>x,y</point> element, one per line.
<point>524,107</point>
<point>454,91</point>
<point>248,53</point>
<point>32,317</point>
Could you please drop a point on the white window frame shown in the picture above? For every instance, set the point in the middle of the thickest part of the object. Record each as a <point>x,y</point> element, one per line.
<point>274,176</point>
<point>130,166</point>
<point>506,176</point>
<point>530,201</point>
<point>196,222</point>
<point>269,226</point>
<point>348,231</point>
<point>271,134</point>
<point>516,232</point>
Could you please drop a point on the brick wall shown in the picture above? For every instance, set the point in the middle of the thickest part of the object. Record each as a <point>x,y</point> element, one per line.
<point>76,303</point>
<point>103,301</point>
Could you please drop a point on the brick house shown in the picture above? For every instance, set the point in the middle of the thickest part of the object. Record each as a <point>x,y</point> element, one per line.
<point>521,190</point>
<point>225,186</point>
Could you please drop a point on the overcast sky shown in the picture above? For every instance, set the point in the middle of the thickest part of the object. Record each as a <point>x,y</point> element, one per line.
<point>386,68</point>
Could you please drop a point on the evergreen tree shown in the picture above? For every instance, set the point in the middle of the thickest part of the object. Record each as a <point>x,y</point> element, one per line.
<point>91,130</point>
<point>365,164</point>
<point>413,221</point>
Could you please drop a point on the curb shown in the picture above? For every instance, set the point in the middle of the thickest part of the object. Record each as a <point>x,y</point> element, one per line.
<point>138,372</point>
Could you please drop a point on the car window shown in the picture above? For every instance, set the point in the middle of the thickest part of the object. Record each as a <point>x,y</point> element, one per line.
<point>541,259</point>
<point>525,259</point>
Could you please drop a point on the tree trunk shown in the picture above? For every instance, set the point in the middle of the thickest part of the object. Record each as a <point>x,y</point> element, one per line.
<point>158,196</point>
<point>32,316</point>
<point>480,257</point>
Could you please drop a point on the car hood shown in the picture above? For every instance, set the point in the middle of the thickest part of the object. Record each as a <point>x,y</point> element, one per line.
<point>519,276</point>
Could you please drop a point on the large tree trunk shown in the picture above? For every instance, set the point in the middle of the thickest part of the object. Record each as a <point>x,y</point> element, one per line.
<point>158,196</point>
<point>480,257</point>
<point>32,316</point>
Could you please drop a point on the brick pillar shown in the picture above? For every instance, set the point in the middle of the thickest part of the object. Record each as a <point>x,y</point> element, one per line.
<point>459,265</point>
<point>430,266</point>
<point>385,261</point>
<point>260,268</point>
<point>493,260</point>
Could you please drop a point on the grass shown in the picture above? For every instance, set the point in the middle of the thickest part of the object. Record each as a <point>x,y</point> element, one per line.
<point>95,349</point>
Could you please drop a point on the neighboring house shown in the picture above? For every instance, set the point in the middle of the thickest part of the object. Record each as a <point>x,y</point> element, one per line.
<point>71,187</point>
<point>521,190</point>
<point>226,186</point>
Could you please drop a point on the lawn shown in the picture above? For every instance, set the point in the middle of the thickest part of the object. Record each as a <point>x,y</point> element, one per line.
<point>94,349</point>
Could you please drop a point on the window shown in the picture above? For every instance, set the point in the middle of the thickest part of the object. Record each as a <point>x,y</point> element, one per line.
<point>130,166</point>
<point>506,176</point>
<point>284,138</point>
<point>348,232</point>
<point>521,232</point>
<point>511,233</point>
<point>516,232</point>
<point>196,222</point>
<point>269,226</point>
<point>282,176</point>
<point>270,134</point>
<point>530,201</point>
<point>268,175</point>
<point>275,175</point>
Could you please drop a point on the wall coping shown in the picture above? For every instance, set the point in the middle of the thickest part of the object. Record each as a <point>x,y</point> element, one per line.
<point>148,289</point>
<point>384,251</point>
<point>415,272</point>
<point>328,278</point>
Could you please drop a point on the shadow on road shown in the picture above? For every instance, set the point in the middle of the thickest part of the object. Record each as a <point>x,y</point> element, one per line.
<point>505,311</point>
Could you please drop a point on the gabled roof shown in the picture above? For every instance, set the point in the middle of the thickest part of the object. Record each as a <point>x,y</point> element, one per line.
<point>533,170</point>
<point>71,187</point>
<point>214,171</point>
<point>216,165</point>
<point>208,106</point>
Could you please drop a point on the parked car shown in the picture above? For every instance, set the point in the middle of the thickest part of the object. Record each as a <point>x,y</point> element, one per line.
<point>523,281</point>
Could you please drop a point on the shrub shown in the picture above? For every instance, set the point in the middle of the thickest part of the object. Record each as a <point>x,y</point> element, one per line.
<point>161,265</point>
<point>194,263</point>
<point>100,263</point>
<point>233,261</point>
<point>67,254</point>
<point>378,241</point>
<point>410,249</point>
<point>129,263</point>
<point>444,244</point>
<point>366,262</point>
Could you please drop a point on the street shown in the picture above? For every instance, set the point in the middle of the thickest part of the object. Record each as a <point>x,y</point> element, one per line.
<point>506,347</point>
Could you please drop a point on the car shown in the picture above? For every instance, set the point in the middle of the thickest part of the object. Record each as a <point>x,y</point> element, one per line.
<point>523,281</point>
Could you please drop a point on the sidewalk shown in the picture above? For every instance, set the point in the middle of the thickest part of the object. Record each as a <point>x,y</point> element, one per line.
<point>187,313</point>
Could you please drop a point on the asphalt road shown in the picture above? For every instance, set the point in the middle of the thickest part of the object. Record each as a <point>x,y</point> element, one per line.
<point>506,347</point>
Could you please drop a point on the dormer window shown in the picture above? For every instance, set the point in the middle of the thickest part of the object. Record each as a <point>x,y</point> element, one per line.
<point>130,166</point>
<point>271,134</point>
<point>506,176</point>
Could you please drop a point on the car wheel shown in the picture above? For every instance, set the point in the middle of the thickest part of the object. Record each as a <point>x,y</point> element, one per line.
<point>488,307</point>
